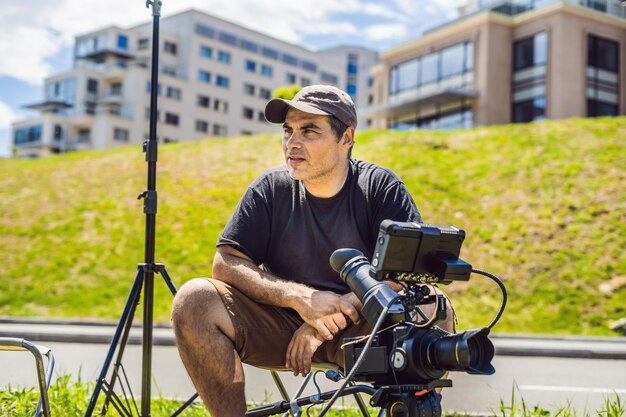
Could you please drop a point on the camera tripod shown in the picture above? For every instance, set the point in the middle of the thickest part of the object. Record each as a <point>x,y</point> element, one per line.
<point>392,400</point>
<point>143,280</point>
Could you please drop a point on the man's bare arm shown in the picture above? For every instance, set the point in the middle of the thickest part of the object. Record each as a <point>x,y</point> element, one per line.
<point>324,310</point>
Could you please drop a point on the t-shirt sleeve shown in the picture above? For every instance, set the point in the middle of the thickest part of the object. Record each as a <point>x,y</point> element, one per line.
<point>248,229</point>
<point>395,203</point>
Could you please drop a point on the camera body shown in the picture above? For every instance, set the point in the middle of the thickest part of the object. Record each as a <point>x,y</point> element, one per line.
<point>414,351</point>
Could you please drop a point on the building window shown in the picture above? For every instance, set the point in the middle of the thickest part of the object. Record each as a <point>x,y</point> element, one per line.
<point>248,113</point>
<point>173,93</point>
<point>170,47</point>
<point>265,93</point>
<point>169,71</point>
<point>202,126</point>
<point>122,41</point>
<point>143,43</point>
<point>219,130</point>
<point>329,78</point>
<point>290,78</point>
<point>84,136</point>
<point>204,101</point>
<point>92,86</point>
<point>148,113</point>
<point>530,56</point>
<point>171,119</point>
<point>249,89</point>
<point>270,53</point>
<point>228,38</point>
<point>261,116</point>
<point>116,89</point>
<point>222,81</point>
<point>206,52</point>
<point>290,60</point>
<point>220,106</point>
<point>529,110</point>
<point>206,31</point>
<point>309,66</point>
<point>351,89</point>
<point>305,81</point>
<point>58,133</point>
<point>602,77</point>
<point>27,134</point>
<point>149,88</point>
<point>120,135</point>
<point>249,45</point>
<point>266,70</point>
<point>531,51</point>
<point>250,66</point>
<point>204,76</point>
<point>223,57</point>
<point>90,108</point>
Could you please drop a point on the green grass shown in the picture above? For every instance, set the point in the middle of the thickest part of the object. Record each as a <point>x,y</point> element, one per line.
<point>70,399</point>
<point>543,206</point>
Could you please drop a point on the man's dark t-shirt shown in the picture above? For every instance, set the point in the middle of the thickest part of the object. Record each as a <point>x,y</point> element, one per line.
<point>292,233</point>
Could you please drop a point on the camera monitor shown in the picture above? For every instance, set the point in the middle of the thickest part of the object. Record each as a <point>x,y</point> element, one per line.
<point>419,252</point>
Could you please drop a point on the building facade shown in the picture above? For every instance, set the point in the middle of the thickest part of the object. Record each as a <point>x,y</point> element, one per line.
<point>503,62</point>
<point>215,78</point>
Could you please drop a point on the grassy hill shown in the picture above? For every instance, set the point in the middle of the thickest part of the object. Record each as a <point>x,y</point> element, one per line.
<point>543,206</point>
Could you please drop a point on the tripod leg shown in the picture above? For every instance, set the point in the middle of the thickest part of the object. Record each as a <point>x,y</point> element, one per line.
<point>131,304</point>
<point>168,280</point>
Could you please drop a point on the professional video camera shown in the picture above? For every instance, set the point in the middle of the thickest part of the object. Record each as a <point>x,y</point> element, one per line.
<point>406,360</point>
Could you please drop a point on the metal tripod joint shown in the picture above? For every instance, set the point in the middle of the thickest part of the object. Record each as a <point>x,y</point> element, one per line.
<point>149,201</point>
<point>150,147</point>
<point>151,267</point>
<point>156,6</point>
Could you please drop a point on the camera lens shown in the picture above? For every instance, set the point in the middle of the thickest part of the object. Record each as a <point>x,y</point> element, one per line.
<point>470,351</point>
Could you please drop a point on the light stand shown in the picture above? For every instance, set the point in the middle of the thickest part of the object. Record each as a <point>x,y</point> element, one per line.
<point>144,277</point>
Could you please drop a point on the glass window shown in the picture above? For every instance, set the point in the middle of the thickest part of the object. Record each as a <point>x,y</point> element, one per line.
<point>429,68</point>
<point>222,81</point>
<point>204,76</point>
<point>122,41</point>
<point>202,126</point>
<point>143,43</point>
<point>530,51</point>
<point>250,65</point>
<point>266,70</point>
<point>469,56</point>
<point>407,75</point>
<point>353,69</point>
<point>249,89</point>
<point>265,93</point>
<point>305,81</point>
<point>206,52</point>
<point>351,89</point>
<point>249,45</point>
<point>529,110</point>
<point>170,47</point>
<point>452,60</point>
<point>270,53</point>
<point>597,108</point>
<point>204,101</point>
<point>290,60</point>
<point>92,86</point>
<point>223,57</point>
<point>27,134</point>
<point>171,119</point>
<point>120,134</point>
<point>228,38</point>
<point>309,66</point>
<point>173,92</point>
<point>290,78</point>
<point>149,88</point>
<point>603,53</point>
<point>248,113</point>
<point>205,31</point>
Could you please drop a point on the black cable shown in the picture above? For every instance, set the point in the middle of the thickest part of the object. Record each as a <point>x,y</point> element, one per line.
<point>502,288</point>
<point>361,358</point>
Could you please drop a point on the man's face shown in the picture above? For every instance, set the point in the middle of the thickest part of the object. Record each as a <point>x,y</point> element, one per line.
<point>311,149</point>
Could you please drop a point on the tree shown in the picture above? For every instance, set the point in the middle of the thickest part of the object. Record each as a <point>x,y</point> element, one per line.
<point>287,92</point>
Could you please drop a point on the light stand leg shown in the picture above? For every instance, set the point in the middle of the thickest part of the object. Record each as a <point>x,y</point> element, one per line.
<point>130,307</point>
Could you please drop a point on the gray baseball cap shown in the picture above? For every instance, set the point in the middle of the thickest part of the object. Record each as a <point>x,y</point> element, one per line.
<point>324,100</point>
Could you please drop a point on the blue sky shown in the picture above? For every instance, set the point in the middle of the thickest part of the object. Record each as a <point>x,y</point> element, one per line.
<point>37,36</point>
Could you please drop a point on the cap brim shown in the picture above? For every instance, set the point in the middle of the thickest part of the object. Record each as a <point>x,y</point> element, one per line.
<point>277,108</point>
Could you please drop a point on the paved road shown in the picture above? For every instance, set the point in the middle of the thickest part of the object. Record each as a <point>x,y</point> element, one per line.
<point>540,380</point>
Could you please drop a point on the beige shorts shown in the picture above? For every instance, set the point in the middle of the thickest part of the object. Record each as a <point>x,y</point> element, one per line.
<point>263,332</point>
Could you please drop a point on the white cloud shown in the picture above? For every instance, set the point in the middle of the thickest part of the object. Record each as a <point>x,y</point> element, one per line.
<point>384,32</point>
<point>7,115</point>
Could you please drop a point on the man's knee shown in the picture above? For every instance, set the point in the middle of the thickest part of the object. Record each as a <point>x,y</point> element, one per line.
<point>198,306</point>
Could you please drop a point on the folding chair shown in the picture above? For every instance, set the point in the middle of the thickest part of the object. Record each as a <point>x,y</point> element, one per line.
<point>324,367</point>
<point>43,376</point>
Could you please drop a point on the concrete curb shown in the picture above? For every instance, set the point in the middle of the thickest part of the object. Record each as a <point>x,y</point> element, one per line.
<point>101,332</point>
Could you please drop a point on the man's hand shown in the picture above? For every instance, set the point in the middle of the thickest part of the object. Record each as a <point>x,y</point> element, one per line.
<point>302,346</point>
<point>326,312</point>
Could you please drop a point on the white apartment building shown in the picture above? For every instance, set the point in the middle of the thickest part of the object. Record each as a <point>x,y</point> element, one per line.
<point>215,78</point>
